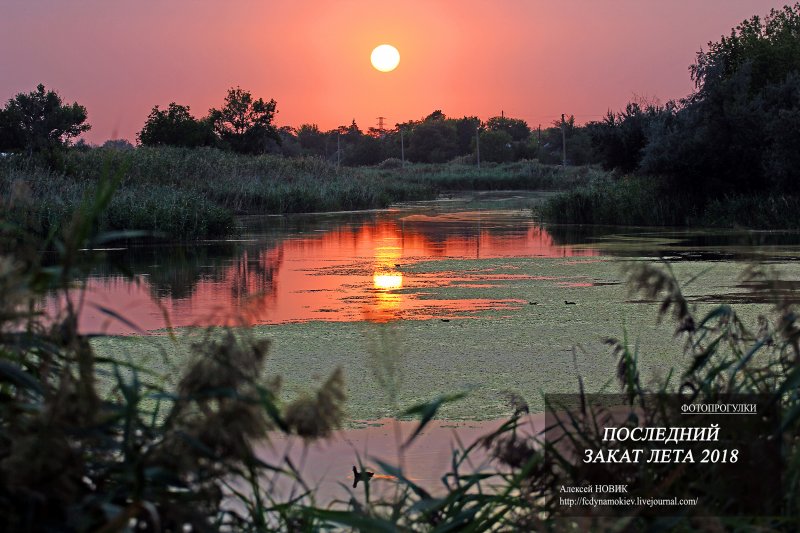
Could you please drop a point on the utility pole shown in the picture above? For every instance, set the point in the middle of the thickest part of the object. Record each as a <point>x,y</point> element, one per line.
<point>402,148</point>
<point>563,141</point>
<point>478,145</point>
<point>539,142</point>
<point>338,149</point>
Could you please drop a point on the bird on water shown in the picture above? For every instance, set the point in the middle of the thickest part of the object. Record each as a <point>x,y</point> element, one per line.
<point>364,475</point>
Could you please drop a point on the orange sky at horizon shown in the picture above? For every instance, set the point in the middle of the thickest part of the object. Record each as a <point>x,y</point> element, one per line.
<point>530,59</point>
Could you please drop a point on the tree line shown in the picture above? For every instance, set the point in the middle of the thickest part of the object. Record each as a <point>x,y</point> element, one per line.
<point>738,132</point>
<point>40,122</point>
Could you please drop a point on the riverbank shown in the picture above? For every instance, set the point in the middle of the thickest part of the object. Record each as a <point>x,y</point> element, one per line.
<point>187,194</point>
<point>647,201</point>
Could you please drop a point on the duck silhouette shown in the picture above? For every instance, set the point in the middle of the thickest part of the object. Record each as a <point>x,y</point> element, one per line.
<point>569,303</point>
<point>364,475</point>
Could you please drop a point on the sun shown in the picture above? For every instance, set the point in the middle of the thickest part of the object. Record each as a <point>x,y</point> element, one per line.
<point>385,58</point>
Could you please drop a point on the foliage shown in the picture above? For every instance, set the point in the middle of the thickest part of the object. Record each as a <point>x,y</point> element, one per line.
<point>43,202</point>
<point>39,121</point>
<point>118,144</point>
<point>466,129</point>
<point>619,140</point>
<point>311,139</point>
<point>496,146</point>
<point>769,48</point>
<point>737,133</point>
<point>175,126</point>
<point>188,193</point>
<point>516,128</point>
<point>519,175</point>
<point>638,201</point>
<point>244,123</point>
<point>91,443</point>
<point>625,201</point>
<point>725,155</point>
<point>103,443</point>
<point>579,149</point>
<point>432,141</point>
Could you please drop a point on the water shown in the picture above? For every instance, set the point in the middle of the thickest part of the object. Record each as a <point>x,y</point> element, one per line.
<point>457,260</point>
<point>362,266</point>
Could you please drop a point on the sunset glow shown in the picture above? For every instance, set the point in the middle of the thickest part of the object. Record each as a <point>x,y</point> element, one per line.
<point>531,60</point>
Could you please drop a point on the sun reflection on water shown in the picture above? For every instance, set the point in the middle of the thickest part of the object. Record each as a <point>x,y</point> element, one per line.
<point>386,279</point>
<point>348,272</point>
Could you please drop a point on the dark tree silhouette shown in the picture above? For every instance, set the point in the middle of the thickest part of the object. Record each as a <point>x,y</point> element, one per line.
<point>175,126</point>
<point>39,121</point>
<point>245,124</point>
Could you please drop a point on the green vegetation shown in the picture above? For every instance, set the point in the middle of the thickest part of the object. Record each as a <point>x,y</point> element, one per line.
<point>93,443</point>
<point>194,193</point>
<point>40,122</point>
<point>625,201</point>
<point>519,175</point>
<point>639,201</point>
<point>106,441</point>
<point>531,351</point>
<point>718,156</point>
<point>44,202</point>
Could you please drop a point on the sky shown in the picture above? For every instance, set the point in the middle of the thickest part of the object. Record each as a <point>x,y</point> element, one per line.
<point>529,59</point>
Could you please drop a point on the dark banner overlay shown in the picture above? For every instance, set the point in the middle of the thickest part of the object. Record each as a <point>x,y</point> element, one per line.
<point>664,455</point>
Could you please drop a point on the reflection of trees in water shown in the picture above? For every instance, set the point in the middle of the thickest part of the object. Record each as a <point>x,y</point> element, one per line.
<point>571,235</point>
<point>661,241</point>
<point>174,270</point>
<point>175,275</point>
<point>254,273</point>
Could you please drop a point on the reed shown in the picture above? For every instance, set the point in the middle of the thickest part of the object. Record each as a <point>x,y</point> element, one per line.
<point>104,443</point>
<point>638,201</point>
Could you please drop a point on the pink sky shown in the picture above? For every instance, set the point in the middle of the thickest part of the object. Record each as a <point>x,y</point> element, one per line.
<point>531,59</point>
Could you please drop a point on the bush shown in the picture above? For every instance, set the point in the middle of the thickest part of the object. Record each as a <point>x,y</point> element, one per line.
<point>390,163</point>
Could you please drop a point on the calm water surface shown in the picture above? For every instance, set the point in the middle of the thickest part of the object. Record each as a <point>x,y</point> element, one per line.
<point>360,266</point>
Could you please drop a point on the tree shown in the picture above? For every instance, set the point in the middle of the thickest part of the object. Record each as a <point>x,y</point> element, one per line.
<point>734,134</point>
<point>118,144</point>
<point>769,48</point>
<point>517,128</point>
<point>496,146</point>
<point>245,124</point>
<point>311,139</point>
<point>39,121</point>
<point>433,140</point>
<point>175,126</point>
<point>620,138</point>
<point>466,129</point>
<point>579,144</point>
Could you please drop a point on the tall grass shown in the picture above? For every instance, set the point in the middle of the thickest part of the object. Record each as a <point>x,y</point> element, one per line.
<point>43,202</point>
<point>637,201</point>
<point>100,444</point>
<point>725,358</point>
<point>97,444</point>
<point>195,193</point>
<point>625,201</point>
<point>250,184</point>
<point>187,194</point>
<point>520,175</point>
